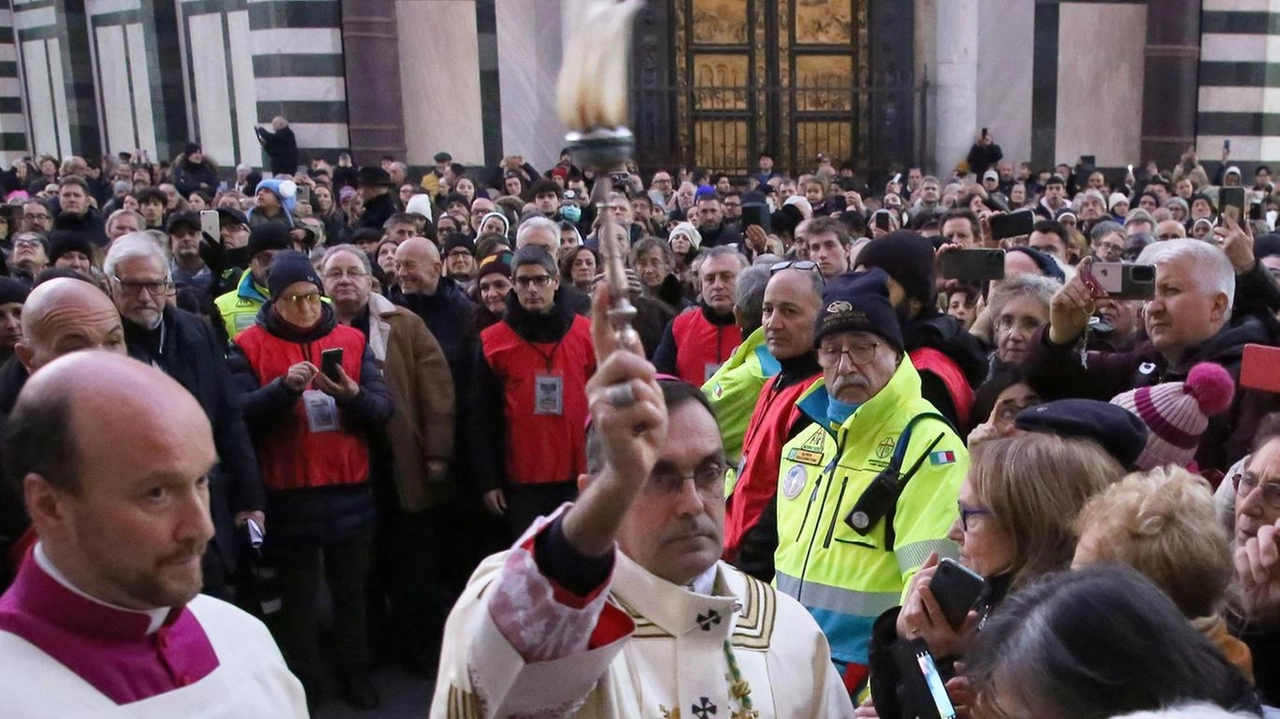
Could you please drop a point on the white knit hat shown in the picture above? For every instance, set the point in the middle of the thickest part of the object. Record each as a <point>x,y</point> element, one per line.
<point>1177,413</point>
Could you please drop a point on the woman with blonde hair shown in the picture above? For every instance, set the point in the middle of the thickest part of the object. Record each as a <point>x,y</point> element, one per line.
<point>1162,523</point>
<point>1017,508</point>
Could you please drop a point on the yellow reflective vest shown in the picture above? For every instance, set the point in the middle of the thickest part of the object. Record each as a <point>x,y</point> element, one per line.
<point>239,307</point>
<point>846,579</point>
<point>734,389</point>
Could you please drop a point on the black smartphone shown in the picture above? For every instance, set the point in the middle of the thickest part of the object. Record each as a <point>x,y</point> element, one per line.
<point>981,265</point>
<point>922,692</point>
<point>1123,281</point>
<point>1012,224</point>
<point>1089,161</point>
<point>883,220</point>
<point>330,362</point>
<point>756,213</point>
<point>957,590</point>
<point>1232,198</point>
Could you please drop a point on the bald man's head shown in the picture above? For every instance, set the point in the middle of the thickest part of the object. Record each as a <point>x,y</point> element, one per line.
<point>418,266</point>
<point>109,447</point>
<point>63,316</point>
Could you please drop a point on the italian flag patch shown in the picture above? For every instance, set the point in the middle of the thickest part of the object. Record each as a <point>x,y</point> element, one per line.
<point>945,457</point>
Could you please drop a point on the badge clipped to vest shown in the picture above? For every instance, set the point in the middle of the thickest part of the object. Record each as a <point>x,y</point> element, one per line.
<point>322,411</point>
<point>548,395</point>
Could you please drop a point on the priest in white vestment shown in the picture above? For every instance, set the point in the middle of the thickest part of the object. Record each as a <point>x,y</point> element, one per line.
<point>617,606</point>
<point>104,620</point>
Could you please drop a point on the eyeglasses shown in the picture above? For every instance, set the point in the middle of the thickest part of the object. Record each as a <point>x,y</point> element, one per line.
<point>1245,482</point>
<point>27,243</point>
<point>37,216</point>
<point>311,298</point>
<point>967,512</point>
<point>158,287</point>
<point>460,252</point>
<point>802,265</point>
<point>338,273</point>
<point>1170,236</point>
<point>539,281</point>
<point>708,480</point>
<point>859,354</point>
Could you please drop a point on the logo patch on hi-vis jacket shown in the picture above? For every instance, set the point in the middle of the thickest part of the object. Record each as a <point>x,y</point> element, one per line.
<point>810,451</point>
<point>718,391</point>
<point>793,483</point>
<point>943,457</point>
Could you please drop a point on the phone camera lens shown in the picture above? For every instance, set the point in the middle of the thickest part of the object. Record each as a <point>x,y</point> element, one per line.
<point>1144,273</point>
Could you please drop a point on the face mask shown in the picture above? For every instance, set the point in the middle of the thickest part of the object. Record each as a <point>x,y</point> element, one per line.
<point>571,213</point>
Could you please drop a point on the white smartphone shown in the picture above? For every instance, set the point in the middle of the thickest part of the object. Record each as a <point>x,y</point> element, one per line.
<point>210,226</point>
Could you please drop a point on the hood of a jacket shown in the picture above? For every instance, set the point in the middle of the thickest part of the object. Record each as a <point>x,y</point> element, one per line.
<point>540,326</point>
<point>947,335</point>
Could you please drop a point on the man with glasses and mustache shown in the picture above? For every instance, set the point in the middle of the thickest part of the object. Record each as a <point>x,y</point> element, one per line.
<point>617,606</point>
<point>529,396</point>
<point>868,484</point>
<point>188,350</point>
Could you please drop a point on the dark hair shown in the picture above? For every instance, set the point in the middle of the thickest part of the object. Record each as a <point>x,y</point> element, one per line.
<point>1268,429</point>
<point>1052,227</point>
<point>962,213</point>
<point>150,194</point>
<point>566,263</point>
<point>74,180</point>
<point>488,242</point>
<point>675,393</point>
<point>535,255</point>
<point>1100,642</point>
<point>39,440</point>
<point>984,398</point>
<point>829,224</point>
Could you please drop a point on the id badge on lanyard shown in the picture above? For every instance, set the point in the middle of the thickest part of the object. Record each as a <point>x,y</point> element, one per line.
<point>548,394</point>
<point>322,411</point>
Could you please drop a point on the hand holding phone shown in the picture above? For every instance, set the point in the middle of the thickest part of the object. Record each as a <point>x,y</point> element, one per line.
<point>976,265</point>
<point>956,589</point>
<point>330,362</point>
<point>1123,281</point>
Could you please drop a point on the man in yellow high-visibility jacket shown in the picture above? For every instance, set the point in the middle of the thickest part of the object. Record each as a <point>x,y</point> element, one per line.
<point>868,489</point>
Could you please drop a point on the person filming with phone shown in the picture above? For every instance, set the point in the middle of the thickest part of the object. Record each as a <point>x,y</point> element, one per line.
<point>311,393</point>
<point>1012,529</point>
<point>1201,306</point>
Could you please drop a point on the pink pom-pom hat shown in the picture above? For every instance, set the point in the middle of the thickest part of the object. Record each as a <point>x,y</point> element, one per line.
<point>1177,413</point>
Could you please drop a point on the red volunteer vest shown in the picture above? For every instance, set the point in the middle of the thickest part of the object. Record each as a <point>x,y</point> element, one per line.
<point>767,431</point>
<point>543,448</point>
<point>927,359</point>
<point>290,455</point>
<point>699,343</point>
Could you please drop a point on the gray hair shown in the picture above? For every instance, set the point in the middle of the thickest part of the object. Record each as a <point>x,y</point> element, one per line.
<point>1037,287</point>
<point>748,296</point>
<point>135,246</point>
<point>1213,271</point>
<point>724,251</point>
<point>652,244</point>
<point>122,213</point>
<point>364,258</point>
<point>1104,228</point>
<point>537,224</point>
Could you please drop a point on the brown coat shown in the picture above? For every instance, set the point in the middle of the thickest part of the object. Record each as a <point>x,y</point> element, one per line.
<point>418,376</point>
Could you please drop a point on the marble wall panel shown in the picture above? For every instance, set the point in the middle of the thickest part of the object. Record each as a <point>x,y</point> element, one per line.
<point>211,86</point>
<point>246,91</point>
<point>142,102</point>
<point>530,41</point>
<point>1100,93</point>
<point>113,77</point>
<point>1006,37</point>
<point>957,81</point>
<point>35,64</point>
<point>440,80</point>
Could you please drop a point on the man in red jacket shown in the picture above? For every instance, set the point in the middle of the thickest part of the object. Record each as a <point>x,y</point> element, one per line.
<point>791,303</point>
<point>698,341</point>
<point>530,397</point>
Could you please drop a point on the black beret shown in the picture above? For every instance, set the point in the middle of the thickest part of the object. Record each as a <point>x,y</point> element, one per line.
<point>1121,433</point>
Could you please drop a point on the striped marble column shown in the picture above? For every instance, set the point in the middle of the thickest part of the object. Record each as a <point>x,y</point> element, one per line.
<point>13,120</point>
<point>1239,96</point>
<point>298,70</point>
<point>57,76</point>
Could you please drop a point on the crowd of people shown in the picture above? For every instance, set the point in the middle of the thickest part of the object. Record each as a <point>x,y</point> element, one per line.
<point>406,391</point>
